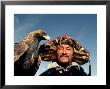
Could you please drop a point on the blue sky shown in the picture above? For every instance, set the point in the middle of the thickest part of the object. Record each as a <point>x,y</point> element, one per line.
<point>82,27</point>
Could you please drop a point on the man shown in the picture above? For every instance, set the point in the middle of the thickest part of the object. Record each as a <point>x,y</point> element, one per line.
<point>65,63</point>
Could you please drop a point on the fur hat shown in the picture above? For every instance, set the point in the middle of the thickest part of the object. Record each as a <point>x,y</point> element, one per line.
<point>48,49</point>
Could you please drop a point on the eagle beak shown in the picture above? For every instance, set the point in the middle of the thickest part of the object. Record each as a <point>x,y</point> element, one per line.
<point>47,37</point>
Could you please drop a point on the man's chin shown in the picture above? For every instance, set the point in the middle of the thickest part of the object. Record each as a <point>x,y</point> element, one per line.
<point>64,60</point>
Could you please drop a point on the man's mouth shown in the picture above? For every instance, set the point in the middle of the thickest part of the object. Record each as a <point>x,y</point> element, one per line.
<point>64,56</point>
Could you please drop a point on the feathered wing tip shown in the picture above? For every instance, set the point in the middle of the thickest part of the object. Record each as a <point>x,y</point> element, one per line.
<point>81,55</point>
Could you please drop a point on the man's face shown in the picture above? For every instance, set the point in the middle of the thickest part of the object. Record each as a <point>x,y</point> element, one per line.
<point>64,53</point>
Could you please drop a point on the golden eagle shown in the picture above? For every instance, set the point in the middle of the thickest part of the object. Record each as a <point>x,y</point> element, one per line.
<point>26,53</point>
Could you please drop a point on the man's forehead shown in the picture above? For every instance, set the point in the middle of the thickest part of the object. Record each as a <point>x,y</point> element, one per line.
<point>64,45</point>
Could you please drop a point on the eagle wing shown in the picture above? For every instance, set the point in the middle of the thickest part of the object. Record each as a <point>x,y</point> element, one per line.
<point>19,50</point>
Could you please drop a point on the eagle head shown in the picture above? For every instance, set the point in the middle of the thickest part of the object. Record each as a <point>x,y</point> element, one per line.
<point>41,35</point>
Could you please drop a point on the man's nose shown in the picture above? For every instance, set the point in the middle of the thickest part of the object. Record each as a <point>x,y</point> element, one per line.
<point>64,51</point>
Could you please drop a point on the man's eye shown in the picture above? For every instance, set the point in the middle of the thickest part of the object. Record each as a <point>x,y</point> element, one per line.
<point>68,48</point>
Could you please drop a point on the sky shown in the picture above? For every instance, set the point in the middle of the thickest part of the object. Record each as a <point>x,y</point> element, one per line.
<point>82,27</point>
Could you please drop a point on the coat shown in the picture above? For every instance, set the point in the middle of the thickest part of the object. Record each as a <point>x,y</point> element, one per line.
<point>71,71</point>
